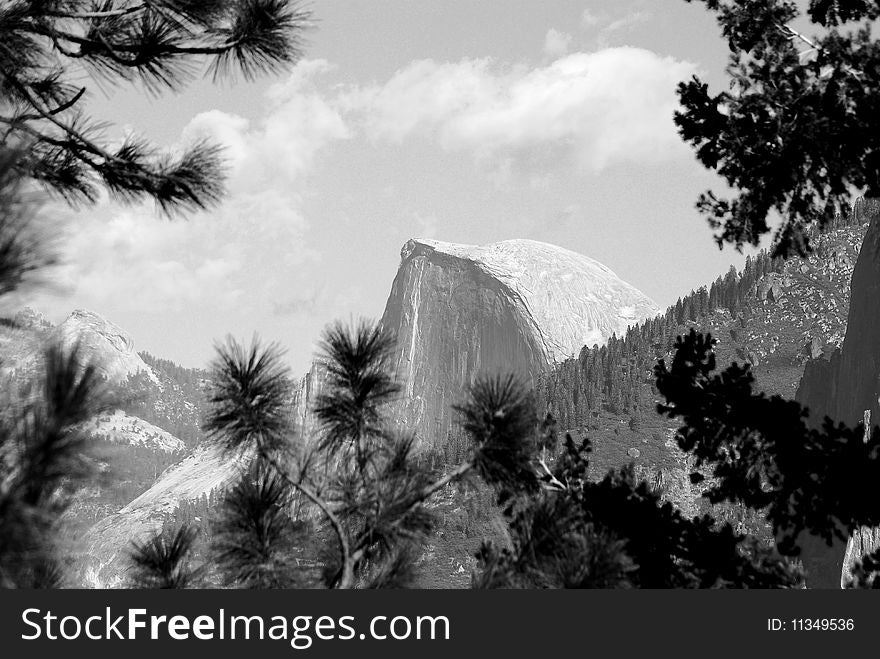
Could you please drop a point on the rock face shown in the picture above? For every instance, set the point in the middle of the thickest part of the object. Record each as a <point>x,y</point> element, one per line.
<point>859,374</point>
<point>121,428</point>
<point>457,310</point>
<point>849,383</point>
<point>515,306</point>
<point>858,378</point>
<point>106,545</point>
<point>102,342</point>
<point>31,319</point>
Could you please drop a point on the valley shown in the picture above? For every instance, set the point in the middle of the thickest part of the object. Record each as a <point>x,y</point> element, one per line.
<point>585,339</point>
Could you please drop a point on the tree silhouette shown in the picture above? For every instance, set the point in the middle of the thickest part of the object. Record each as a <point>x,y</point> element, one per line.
<point>162,561</point>
<point>761,454</point>
<point>798,129</point>
<point>359,476</point>
<point>577,532</point>
<point>255,537</point>
<point>45,456</point>
<point>160,43</point>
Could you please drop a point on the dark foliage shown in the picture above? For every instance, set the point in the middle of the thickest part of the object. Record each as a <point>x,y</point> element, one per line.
<point>359,385</point>
<point>24,249</point>
<point>250,390</point>
<point>761,452</point>
<point>160,43</point>
<point>363,480</point>
<point>254,535</point>
<point>163,561</point>
<point>617,533</point>
<point>798,129</point>
<point>44,456</point>
<point>500,417</point>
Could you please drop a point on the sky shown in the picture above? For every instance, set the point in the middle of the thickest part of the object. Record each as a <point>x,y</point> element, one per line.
<point>463,121</point>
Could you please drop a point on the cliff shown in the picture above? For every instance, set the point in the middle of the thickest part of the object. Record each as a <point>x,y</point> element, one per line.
<point>848,384</point>
<point>106,545</point>
<point>102,343</point>
<point>515,306</point>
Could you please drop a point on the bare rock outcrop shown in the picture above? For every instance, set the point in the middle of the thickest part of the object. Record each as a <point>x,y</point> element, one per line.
<point>515,306</point>
<point>103,344</point>
<point>847,386</point>
<point>457,311</point>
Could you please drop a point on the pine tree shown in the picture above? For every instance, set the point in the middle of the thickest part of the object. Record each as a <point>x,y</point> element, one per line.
<point>762,454</point>
<point>46,457</point>
<point>160,44</point>
<point>362,479</point>
<point>797,129</point>
<point>44,49</point>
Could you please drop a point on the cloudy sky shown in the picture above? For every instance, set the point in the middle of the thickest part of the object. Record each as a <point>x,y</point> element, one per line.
<point>459,120</point>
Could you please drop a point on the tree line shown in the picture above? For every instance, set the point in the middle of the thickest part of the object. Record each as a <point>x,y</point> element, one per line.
<point>794,134</point>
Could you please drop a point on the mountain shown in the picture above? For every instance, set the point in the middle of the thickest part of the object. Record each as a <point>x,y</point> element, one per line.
<point>457,310</point>
<point>775,315</point>
<point>846,385</point>
<point>518,305</point>
<point>121,428</point>
<point>129,451</point>
<point>103,343</point>
<point>105,546</point>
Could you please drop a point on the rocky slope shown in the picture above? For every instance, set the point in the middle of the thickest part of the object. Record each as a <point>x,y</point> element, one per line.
<point>102,343</point>
<point>105,546</point>
<point>515,306</point>
<point>121,428</point>
<point>129,452</point>
<point>846,384</point>
<point>457,310</point>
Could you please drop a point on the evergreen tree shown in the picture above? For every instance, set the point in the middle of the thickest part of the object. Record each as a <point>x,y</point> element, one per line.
<point>797,130</point>
<point>160,43</point>
<point>575,532</point>
<point>255,536</point>
<point>763,456</point>
<point>45,456</point>
<point>47,136</point>
<point>360,477</point>
<point>163,561</point>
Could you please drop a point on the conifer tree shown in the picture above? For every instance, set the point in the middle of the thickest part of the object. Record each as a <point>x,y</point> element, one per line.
<point>162,44</point>
<point>45,47</point>
<point>359,476</point>
<point>797,129</point>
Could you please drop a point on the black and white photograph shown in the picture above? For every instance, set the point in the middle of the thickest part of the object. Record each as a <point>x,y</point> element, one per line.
<point>438,295</point>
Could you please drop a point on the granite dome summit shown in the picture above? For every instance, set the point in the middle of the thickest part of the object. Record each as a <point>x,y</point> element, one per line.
<point>572,299</point>
<point>518,306</point>
<point>102,343</point>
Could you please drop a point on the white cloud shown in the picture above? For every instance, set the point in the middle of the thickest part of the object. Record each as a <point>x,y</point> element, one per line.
<point>247,253</point>
<point>556,43</point>
<point>590,19</point>
<point>252,258</point>
<point>594,108</point>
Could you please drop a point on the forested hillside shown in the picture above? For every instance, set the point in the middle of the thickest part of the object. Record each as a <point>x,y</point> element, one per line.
<point>175,405</point>
<point>775,314</point>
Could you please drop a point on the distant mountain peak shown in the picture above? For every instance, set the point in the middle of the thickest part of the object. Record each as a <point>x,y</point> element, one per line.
<point>109,347</point>
<point>517,306</point>
<point>573,300</point>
